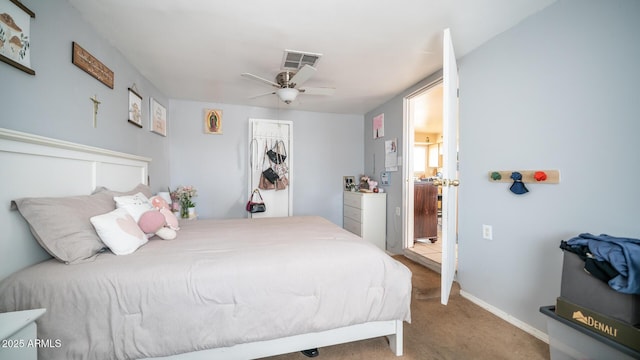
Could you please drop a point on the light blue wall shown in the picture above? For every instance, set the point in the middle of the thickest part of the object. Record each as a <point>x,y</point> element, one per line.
<point>558,91</point>
<point>326,148</point>
<point>55,102</point>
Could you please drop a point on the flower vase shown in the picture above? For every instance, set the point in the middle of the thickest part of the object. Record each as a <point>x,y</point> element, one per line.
<point>191,212</point>
<point>184,212</point>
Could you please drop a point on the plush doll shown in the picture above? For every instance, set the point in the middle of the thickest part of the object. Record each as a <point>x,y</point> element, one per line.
<point>160,221</point>
<point>153,222</point>
<point>161,205</point>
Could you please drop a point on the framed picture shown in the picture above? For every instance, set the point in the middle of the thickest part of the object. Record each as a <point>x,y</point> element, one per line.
<point>212,121</point>
<point>349,182</point>
<point>135,108</point>
<point>15,42</point>
<point>378,126</point>
<point>157,118</point>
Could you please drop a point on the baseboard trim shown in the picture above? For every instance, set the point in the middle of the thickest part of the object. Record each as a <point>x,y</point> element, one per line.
<point>506,317</point>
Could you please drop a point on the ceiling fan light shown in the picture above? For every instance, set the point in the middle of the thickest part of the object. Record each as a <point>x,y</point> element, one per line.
<point>287,94</point>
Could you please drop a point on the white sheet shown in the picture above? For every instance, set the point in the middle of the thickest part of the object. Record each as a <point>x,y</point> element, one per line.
<point>220,283</point>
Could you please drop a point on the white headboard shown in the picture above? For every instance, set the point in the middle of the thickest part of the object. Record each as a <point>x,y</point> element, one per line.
<point>36,166</point>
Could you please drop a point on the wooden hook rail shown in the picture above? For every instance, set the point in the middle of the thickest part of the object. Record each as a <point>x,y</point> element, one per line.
<point>528,176</point>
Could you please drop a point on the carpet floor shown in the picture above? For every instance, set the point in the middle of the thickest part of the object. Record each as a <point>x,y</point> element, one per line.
<point>459,331</point>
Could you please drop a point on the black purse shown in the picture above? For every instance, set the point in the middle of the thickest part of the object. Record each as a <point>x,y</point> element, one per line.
<point>271,175</point>
<point>256,206</point>
<point>278,153</point>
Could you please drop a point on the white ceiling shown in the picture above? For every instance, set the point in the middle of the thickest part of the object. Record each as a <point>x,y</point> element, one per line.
<point>372,50</point>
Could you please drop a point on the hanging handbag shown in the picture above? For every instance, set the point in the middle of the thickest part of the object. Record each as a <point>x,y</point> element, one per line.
<point>280,167</point>
<point>264,183</point>
<point>271,175</point>
<point>282,183</point>
<point>256,205</point>
<point>278,152</point>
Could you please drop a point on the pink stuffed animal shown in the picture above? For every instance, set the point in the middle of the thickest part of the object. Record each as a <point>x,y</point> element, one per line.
<point>160,221</point>
<point>161,204</point>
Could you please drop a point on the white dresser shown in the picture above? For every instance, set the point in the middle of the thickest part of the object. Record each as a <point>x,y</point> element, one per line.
<point>365,214</point>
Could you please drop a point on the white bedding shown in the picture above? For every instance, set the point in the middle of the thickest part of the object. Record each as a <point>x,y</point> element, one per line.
<point>220,283</point>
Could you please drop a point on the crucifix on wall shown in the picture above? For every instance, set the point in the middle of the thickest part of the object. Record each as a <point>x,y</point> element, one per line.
<point>96,103</point>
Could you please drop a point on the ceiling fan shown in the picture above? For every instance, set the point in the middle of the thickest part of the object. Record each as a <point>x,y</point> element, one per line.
<point>289,82</point>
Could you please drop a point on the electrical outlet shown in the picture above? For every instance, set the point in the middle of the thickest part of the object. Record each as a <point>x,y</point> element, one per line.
<point>487,232</point>
<point>398,211</point>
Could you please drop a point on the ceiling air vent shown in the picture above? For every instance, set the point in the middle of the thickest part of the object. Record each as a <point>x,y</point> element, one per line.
<point>294,60</point>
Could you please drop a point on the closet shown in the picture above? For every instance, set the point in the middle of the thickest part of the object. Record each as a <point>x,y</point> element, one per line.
<point>264,135</point>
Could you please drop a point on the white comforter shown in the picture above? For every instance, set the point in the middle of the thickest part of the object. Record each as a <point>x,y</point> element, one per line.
<point>220,283</point>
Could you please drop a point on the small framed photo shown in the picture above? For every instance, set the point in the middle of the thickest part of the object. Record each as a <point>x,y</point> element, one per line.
<point>213,121</point>
<point>349,183</point>
<point>157,118</point>
<point>135,108</point>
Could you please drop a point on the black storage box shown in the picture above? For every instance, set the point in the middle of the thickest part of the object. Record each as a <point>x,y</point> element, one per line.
<point>585,290</point>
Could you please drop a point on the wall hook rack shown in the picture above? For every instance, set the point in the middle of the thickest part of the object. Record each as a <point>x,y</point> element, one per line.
<point>528,176</point>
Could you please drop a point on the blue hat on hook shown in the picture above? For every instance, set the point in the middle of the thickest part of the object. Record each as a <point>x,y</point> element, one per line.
<point>517,187</point>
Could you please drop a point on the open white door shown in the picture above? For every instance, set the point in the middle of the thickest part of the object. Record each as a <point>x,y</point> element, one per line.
<point>449,181</point>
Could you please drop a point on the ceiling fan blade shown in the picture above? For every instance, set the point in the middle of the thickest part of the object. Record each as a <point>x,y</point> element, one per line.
<point>254,77</point>
<point>318,91</point>
<point>257,96</point>
<point>304,74</point>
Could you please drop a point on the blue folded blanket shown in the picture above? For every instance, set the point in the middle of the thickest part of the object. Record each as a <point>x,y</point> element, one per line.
<point>622,253</point>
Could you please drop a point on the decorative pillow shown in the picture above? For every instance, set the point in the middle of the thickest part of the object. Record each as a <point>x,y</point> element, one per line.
<point>61,224</point>
<point>119,231</point>
<point>140,188</point>
<point>136,205</point>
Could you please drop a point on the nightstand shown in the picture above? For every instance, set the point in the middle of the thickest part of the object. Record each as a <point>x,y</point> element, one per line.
<point>18,334</point>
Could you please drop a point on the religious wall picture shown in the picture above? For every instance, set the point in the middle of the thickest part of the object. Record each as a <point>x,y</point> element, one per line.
<point>158,117</point>
<point>212,121</point>
<point>15,41</point>
<point>135,108</point>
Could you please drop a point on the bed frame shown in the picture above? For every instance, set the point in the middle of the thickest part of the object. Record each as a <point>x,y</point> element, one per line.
<point>36,166</point>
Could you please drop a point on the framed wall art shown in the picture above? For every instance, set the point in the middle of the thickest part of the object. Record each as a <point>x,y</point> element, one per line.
<point>157,118</point>
<point>135,108</point>
<point>378,126</point>
<point>15,42</point>
<point>213,121</point>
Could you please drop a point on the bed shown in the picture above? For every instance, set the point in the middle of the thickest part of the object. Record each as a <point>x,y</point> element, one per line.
<point>228,289</point>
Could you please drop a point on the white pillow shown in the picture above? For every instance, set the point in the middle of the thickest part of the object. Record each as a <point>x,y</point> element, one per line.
<point>119,231</point>
<point>136,205</point>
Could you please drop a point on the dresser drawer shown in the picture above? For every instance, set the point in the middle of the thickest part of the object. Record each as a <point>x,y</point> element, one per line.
<point>352,213</point>
<point>353,199</point>
<point>352,226</point>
